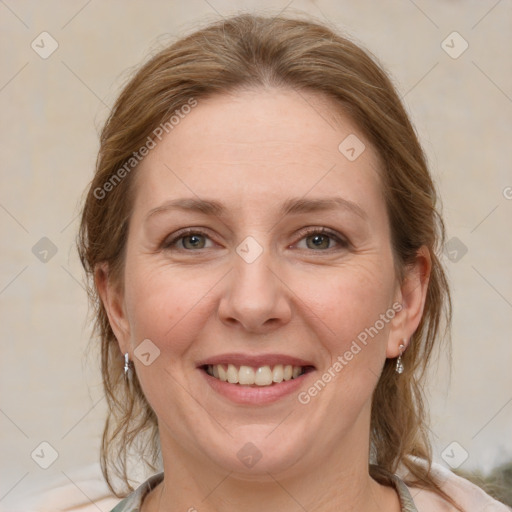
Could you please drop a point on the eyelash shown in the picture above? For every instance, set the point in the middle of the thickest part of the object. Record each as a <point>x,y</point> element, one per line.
<point>168,244</point>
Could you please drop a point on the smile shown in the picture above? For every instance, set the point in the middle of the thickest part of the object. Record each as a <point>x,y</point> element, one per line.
<point>265,375</point>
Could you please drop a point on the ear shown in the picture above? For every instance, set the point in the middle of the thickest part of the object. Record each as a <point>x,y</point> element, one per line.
<point>411,294</point>
<point>112,297</point>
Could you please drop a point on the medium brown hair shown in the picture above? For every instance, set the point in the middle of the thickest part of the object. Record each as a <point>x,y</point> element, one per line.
<point>252,51</point>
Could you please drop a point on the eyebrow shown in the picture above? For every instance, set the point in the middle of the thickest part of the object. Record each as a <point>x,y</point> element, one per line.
<point>289,207</point>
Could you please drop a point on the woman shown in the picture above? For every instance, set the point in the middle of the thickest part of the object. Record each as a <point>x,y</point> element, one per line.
<point>262,234</point>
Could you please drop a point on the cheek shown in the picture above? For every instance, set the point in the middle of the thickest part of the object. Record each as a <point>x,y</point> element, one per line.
<point>348,306</point>
<point>351,297</point>
<point>347,323</point>
<point>167,307</point>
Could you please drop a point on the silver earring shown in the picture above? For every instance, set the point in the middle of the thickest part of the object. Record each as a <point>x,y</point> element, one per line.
<point>127,367</point>
<point>399,368</point>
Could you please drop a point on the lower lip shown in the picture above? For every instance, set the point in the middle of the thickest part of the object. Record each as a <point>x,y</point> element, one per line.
<point>255,395</point>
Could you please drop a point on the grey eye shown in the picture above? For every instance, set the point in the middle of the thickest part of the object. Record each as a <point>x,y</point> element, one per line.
<point>318,241</point>
<point>193,241</point>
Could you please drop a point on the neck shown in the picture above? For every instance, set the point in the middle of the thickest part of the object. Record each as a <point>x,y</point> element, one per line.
<point>339,482</point>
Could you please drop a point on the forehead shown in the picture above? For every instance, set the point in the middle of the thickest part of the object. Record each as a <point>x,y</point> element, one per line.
<point>261,146</point>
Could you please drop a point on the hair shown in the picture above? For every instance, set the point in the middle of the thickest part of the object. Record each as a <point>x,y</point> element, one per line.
<point>253,52</point>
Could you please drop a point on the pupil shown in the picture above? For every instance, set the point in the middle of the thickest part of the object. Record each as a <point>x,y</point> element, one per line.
<point>320,241</point>
<point>194,240</point>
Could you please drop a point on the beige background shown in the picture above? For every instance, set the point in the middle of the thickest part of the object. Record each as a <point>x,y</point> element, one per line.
<point>52,110</point>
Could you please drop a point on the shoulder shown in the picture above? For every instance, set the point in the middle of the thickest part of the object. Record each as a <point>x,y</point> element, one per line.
<point>467,495</point>
<point>133,502</point>
<point>77,489</point>
<point>429,501</point>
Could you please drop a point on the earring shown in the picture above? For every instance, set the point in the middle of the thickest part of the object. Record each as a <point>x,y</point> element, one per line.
<point>127,367</point>
<point>399,368</point>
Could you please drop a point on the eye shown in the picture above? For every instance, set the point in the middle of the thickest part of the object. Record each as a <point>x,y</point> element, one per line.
<point>317,239</point>
<point>187,240</point>
<point>321,239</point>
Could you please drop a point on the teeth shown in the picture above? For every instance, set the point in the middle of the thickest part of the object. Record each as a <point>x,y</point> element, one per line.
<point>263,376</point>
<point>232,374</point>
<point>248,376</point>
<point>278,373</point>
<point>223,374</point>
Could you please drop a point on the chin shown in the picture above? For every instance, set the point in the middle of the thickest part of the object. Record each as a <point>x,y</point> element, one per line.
<point>253,452</point>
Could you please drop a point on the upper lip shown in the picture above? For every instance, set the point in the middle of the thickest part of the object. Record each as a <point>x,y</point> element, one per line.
<point>254,360</point>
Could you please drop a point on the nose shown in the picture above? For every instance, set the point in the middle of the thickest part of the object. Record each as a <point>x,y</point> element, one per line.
<point>256,298</point>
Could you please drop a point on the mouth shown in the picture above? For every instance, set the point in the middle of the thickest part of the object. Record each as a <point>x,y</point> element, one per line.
<point>255,379</point>
<point>255,376</point>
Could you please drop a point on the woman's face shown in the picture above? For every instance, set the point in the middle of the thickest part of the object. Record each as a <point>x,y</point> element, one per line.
<point>257,241</point>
